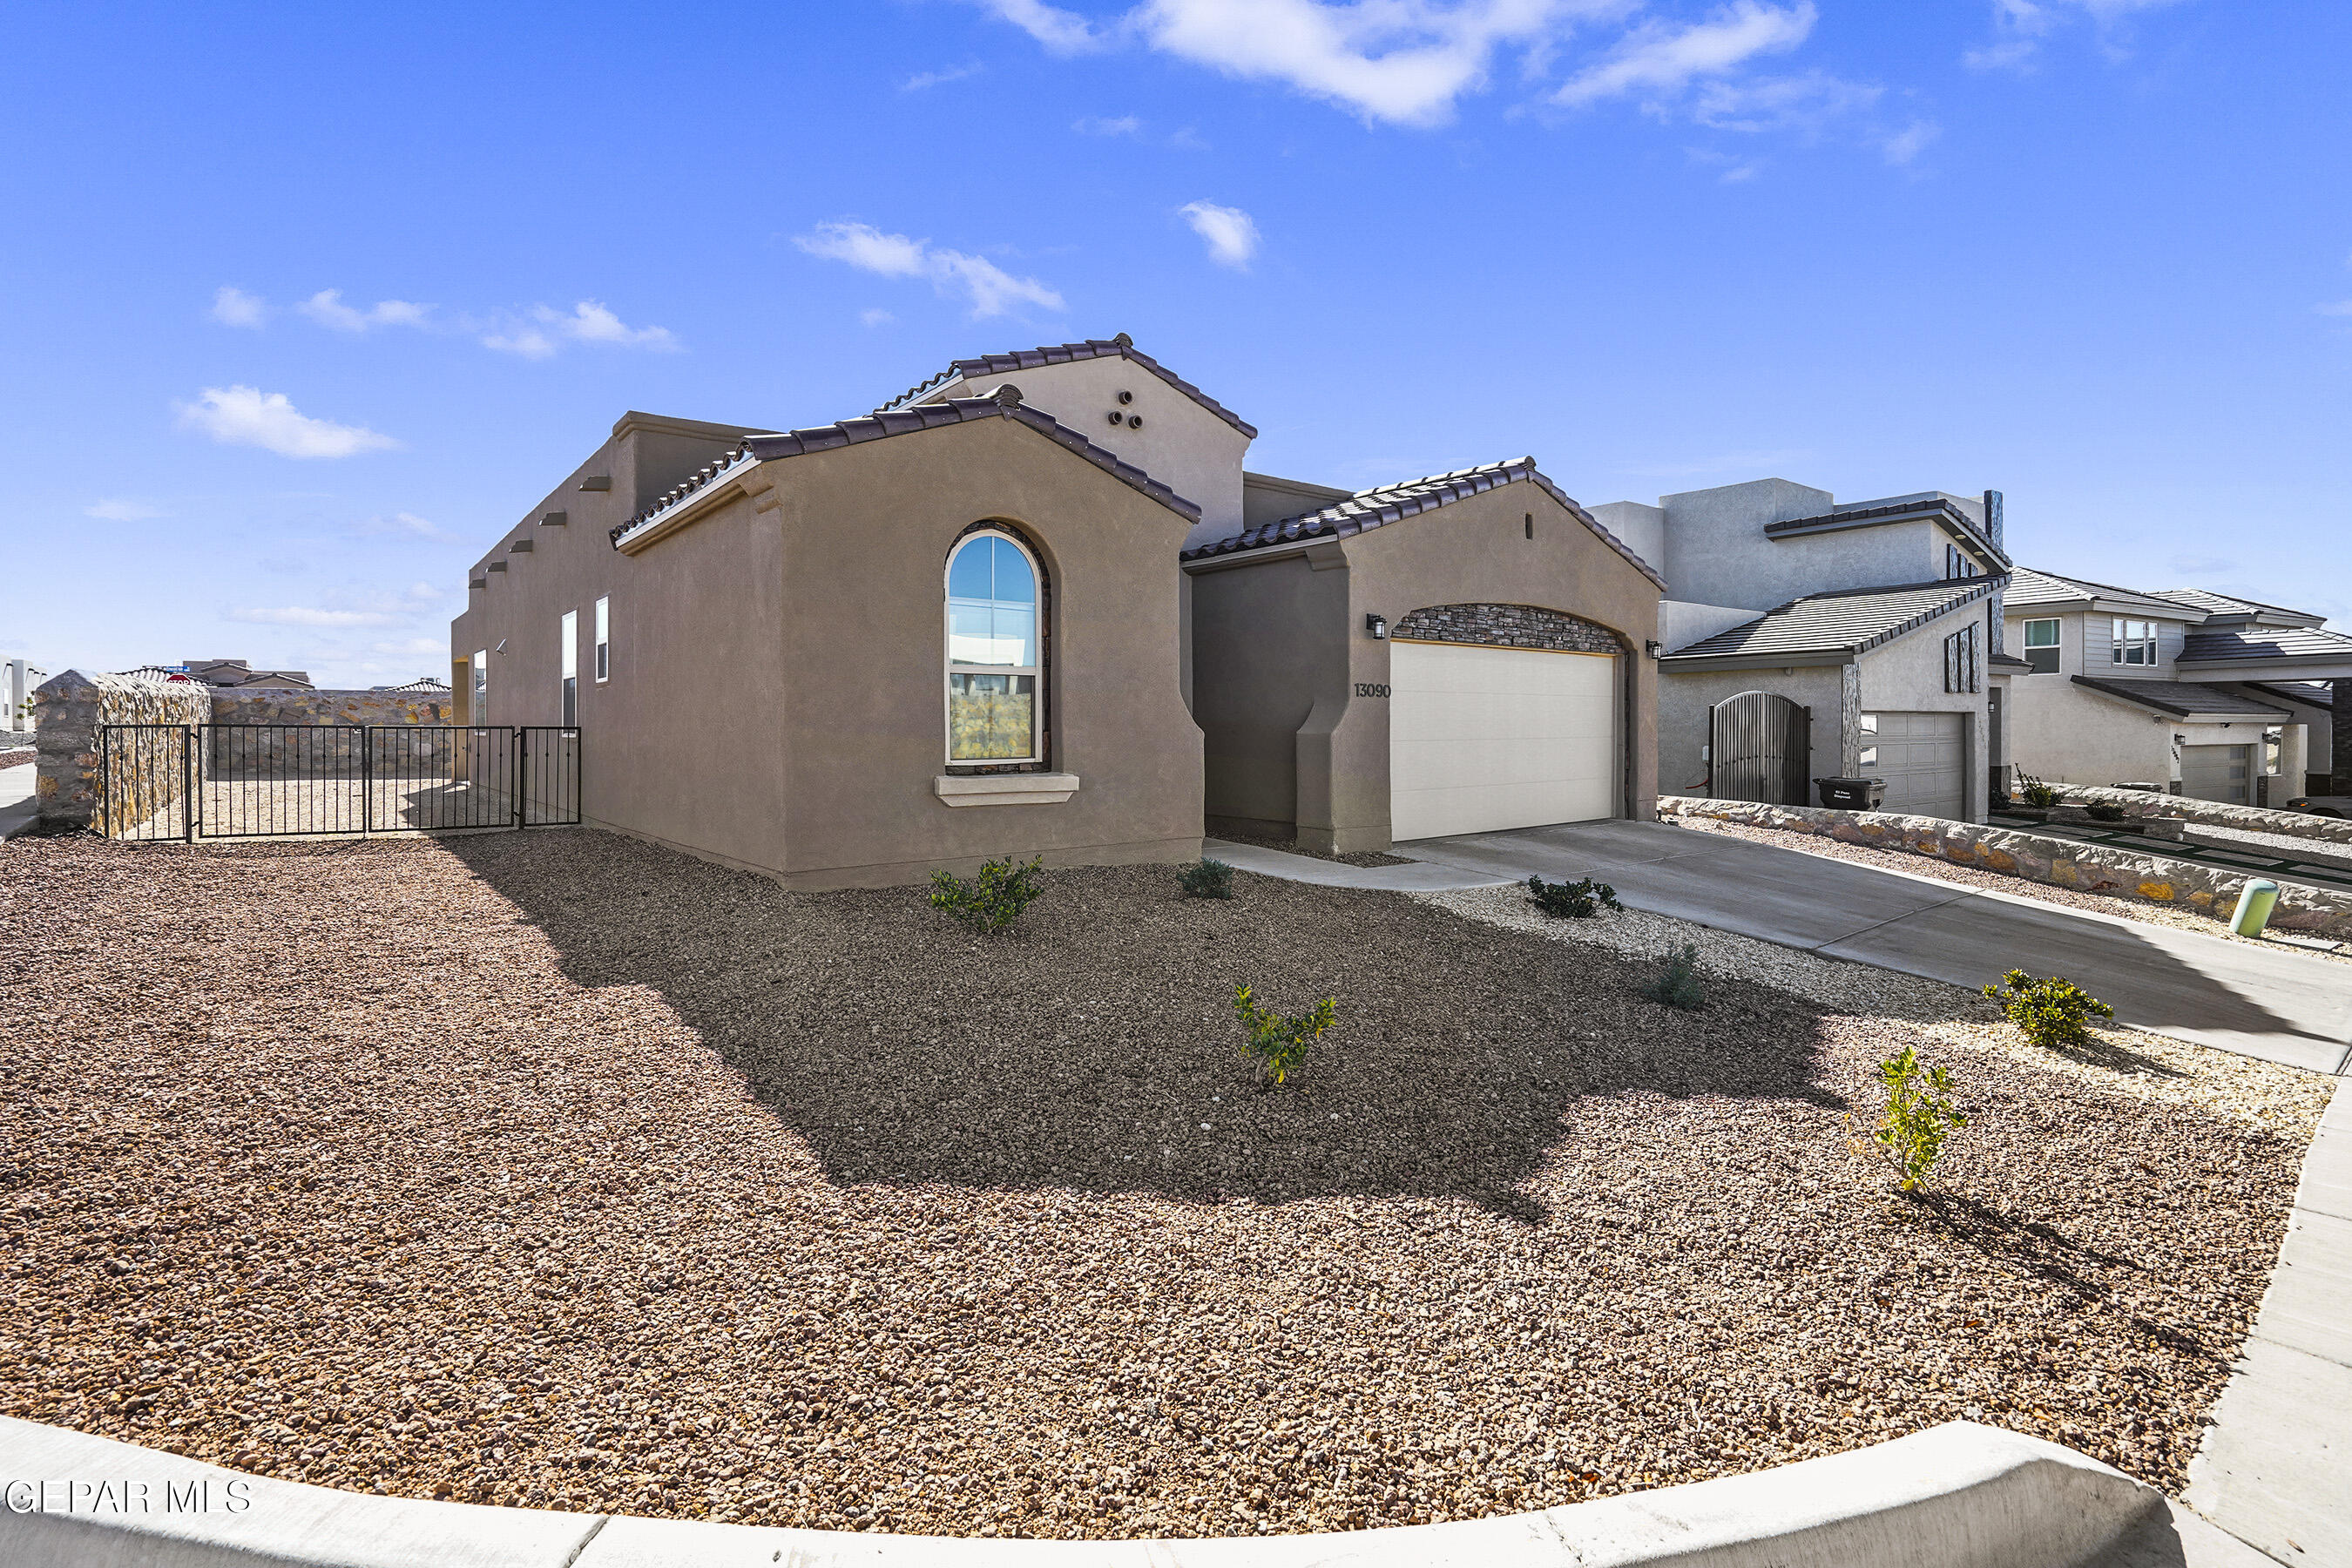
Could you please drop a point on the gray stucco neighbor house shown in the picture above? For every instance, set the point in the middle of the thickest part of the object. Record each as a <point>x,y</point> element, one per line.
<point>2204,694</point>
<point>1880,618</point>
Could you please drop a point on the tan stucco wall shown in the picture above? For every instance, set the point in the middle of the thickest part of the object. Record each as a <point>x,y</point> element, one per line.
<point>1279,647</point>
<point>778,688</point>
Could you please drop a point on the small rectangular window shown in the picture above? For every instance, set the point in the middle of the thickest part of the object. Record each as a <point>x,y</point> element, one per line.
<point>481,713</point>
<point>2041,646</point>
<point>570,668</point>
<point>2133,642</point>
<point>604,640</point>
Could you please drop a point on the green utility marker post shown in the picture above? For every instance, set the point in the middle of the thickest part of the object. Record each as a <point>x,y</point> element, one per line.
<point>2254,907</point>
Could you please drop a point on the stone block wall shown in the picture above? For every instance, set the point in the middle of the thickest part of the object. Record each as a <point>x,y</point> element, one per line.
<point>69,709</point>
<point>2061,862</point>
<point>2255,819</point>
<point>292,705</point>
<point>1508,625</point>
<point>314,734</point>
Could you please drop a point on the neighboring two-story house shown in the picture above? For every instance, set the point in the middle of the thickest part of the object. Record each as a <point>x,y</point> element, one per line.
<point>2199,693</point>
<point>1805,639</point>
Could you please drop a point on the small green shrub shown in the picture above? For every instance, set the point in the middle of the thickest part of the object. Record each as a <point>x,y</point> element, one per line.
<point>1206,880</point>
<point>1918,1117</point>
<point>2105,811</point>
<point>1677,984</point>
<point>2054,1012</point>
<point>1278,1043</point>
<point>1571,901</point>
<point>2034,793</point>
<point>992,899</point>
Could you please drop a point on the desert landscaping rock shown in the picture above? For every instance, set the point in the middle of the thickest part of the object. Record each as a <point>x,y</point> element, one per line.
<point>561,1170</point>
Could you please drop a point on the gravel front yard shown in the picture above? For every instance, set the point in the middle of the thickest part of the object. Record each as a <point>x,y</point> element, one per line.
<point>562,1170</point>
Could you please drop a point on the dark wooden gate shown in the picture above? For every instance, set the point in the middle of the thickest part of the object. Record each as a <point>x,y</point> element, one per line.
<point>1760,747</point>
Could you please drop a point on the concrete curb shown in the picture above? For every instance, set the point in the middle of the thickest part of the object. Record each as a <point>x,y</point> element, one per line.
<point>1959,1496</point>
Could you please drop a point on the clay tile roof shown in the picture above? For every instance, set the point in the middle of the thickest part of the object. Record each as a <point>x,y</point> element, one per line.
<point>1121,346</point>
<point>2179,698</point>
<point>1385,504</point>
<point>1852,621</point>
<point>1005,404</point>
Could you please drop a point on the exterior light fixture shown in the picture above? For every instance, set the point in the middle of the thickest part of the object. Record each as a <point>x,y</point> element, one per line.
<point>1653,647</point>
<point>1379,626</point>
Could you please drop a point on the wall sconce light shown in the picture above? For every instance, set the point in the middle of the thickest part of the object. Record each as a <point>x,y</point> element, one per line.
<point>1379,626</point>
<point>1653,647</point>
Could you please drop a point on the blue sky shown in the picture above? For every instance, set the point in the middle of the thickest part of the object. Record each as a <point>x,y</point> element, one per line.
<point>305,307</point>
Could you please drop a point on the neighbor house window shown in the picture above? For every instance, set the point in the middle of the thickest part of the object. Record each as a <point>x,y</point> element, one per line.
<point>2134,642</point>
<point>993,659</point>
<point>2041,646</point>
<point>570,668</point>
<point>604,640</point>
<point>481,708</point>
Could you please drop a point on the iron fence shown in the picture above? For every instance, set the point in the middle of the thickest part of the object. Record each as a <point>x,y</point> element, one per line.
<point>252,781</point>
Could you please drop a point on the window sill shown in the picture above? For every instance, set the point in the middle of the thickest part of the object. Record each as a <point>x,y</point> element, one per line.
<point>1005,789</point>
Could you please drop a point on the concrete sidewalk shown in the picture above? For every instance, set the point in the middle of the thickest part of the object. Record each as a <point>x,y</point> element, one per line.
<point>2270,1470</point>
<point>2276,1006</point>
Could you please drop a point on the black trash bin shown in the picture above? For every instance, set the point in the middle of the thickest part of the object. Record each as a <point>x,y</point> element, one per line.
<point>1852,795</point>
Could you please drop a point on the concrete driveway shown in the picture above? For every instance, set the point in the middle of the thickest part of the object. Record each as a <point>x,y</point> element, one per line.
<point>2279,1007</point>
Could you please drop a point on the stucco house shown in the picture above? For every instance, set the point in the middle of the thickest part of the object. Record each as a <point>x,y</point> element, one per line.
<point>2204,694</point>
<point>1806,638</point>
<point>964,625</point>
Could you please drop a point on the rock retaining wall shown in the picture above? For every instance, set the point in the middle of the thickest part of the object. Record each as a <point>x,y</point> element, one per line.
<point>292,705</point>
<point>2253,819</point>
<point>68,712</point>
<point>2061,862</point>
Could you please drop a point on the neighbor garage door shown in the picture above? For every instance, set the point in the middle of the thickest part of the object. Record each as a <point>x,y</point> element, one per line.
<point>1924,759</point>
<point>1488,738</point>
<point>2216,772</point>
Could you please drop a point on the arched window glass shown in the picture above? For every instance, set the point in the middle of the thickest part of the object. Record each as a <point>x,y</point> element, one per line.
<point>993,662</point>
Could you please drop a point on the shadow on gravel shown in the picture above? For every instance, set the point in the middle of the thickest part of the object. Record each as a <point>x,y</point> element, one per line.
<point>1094,1045</point>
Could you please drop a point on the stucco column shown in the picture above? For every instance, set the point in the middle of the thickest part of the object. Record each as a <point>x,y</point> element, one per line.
<point>2341,769</point>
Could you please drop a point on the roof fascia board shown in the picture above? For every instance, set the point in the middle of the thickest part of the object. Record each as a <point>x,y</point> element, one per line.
<point>1332,549</point>
<point>727,486</point>
<point>2271,669</point>
<point>1681,663</point>
<point>1939,513</point>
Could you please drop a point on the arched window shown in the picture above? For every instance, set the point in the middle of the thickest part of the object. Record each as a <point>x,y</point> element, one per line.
<point>994,662</point>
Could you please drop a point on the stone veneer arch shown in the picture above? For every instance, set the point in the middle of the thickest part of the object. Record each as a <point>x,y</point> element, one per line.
<point>1509,625</point>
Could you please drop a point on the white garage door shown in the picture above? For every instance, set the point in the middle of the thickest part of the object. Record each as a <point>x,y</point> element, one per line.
<point>1481,739</point>
<point>2217,772</point>
<point>1924,759</point>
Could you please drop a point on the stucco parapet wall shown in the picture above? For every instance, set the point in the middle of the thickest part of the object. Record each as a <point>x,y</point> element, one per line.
<point>2060,862</point>
<point>2220,813</point>
<point>69,709</point>
<point>1957,1496</point>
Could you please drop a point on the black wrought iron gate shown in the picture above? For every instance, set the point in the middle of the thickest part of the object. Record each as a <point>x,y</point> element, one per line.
<point>249,781</point>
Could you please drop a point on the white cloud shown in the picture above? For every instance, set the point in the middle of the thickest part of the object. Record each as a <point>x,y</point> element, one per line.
<point>410,645</point>
<point>327,308</point>
<point>423,591</point>
<point>298,615</point>
<point>1231,233</point>
<point>1910,142</point>
<point>988,288</point>
<point>540,331</point>
<point>2020,26</point>
<point>876,318</point>
<point>1125,125</point>
<point>1660,60</point>
<point>235,308</point>
<point>1803,103</point>
<point>402,525</point>
<point>1062,32</point>
<point>1402,61</point>
<point>117,510</point>
<point>247,416</point>
<point>922,80</point>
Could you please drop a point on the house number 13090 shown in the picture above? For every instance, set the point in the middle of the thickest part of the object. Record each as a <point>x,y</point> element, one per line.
<point>1369,688</point>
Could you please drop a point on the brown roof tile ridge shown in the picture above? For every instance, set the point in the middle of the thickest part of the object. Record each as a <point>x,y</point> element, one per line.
<point>1384,504</point>
<point>1004,404</point>
<point>1066,354</point>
